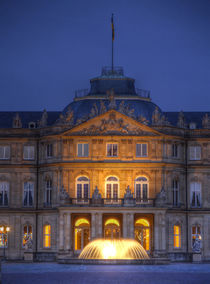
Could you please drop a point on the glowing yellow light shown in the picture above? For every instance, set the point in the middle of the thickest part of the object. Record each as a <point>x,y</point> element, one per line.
<point>2,229</point>
<point>112,221</point>
<point>177,236</point>
<point>7,229</point>
<point>142,222</point>
<point>113,249</point>
<point>47,236</point>
<point>81,221</point>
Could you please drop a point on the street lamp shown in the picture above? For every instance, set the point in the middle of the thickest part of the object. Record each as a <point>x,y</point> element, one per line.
<point>4,232</point>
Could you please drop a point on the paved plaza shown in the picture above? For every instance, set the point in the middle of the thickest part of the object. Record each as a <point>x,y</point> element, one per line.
<point>107,274</point>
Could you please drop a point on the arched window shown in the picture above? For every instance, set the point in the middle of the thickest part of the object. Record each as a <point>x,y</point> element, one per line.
<point>3,236</point>
<point>112,188</point>
<point>4,193</point>
<point>48,192</point>
<point>142,233</point>
<point>27,234</point>
<point>82,188</point>
<point>196,233</point>
<point>141,189</point>
<point>28,193</point>
<point>195,194</point>
<point>177,236</point>
<point>47,236</point>
<point>112,229</point>
<point>175,191</point>
<point>81,233</point>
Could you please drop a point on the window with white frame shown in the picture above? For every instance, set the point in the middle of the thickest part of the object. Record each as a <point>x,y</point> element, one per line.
<point>48,192</point>
<point>4,193</point>
<point>177,236</point>
<point>195,194</point>
<point>112,187</point>
<point>4,152</point>
<point>141,150</point>
<point>27,235</point>
<point>49,150</point>
<point>82,150</point>
<point>112,150</point>
<point>174,150</point>
<point>175,191</point>
<point>28,152</point>
<point>196,233</point>
<point>82,185</point>
<point>141,189</point>
<point>28,194</point>
<point>195,153</point>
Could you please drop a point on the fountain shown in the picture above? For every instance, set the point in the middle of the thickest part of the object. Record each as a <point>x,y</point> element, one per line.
<point>114,249</point>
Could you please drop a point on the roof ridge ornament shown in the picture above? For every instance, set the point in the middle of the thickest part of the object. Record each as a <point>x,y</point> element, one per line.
<point>17,123</point>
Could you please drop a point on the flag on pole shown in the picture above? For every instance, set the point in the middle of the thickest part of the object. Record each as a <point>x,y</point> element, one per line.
<point>112,21</point>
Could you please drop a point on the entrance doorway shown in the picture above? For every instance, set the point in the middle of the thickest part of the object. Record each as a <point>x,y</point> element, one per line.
<point>81,234</point>
<point>142,233</point>
<point>112,229</point>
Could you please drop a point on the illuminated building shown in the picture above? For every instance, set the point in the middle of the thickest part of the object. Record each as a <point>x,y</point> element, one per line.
<point>111,165</point>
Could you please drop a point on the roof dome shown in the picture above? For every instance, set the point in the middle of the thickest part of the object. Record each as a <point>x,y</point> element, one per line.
<point>112,90</point>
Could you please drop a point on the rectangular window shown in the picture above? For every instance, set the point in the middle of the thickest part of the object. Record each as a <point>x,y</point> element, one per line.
<point>196,233</point>
<point>175,188</point>
<point>141,150</point>
<point>4,193</point>
<point>112,150</point>
<point>49,150</point>
<point>195,193</point>
<point>174,150</point>
<point>28,152</point>
<point>48,192</point>
<point>3,238</point>
<point>195,153</point>
<point>177,236</point>
<point>82,149</point>
<point>4,152</point>
<point>47,236</point>
<point>27,235</point>
<point>28,194</point>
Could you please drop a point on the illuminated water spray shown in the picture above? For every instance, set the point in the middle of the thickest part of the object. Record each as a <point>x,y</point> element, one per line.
<point>113,249</point>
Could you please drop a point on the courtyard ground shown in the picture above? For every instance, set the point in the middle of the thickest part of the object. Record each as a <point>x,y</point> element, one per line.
<point>104,274</point>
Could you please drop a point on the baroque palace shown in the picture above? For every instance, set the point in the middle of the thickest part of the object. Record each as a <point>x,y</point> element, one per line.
<point>111,165</point>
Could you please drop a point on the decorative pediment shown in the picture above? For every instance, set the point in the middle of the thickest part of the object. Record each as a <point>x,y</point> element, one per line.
<point>112,123</point>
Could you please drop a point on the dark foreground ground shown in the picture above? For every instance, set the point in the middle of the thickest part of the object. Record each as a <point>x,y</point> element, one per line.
<point>107,274</point>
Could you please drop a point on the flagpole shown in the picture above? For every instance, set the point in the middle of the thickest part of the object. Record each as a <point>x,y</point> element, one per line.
<point>112,22</point>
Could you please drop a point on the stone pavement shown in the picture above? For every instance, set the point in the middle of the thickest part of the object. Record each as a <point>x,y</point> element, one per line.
<point>104,274</point>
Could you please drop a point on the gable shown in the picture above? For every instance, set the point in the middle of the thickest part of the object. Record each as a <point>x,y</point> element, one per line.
<point>112,123</point>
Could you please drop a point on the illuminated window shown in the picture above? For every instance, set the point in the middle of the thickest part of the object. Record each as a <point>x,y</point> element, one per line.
<point>175,190</point>
<point>177,236</point>
<point>142,233</point>
<point>49,150</point>
<point>3,237</point>
<point>112,186</point>
<point>141,189</point>
<point>141,150</point>
<point>81,233</point>
<point>28,153</point>
<point>82,150</point>
<point>196,233</point>
<point>174,150</point>
<point>195,194</point>
<point>28,193</point>
<point>27,234</point>
<point>4,193</point>
<point>4,152</point>
<point>195,152</point>
<point>112,150</point>
<point>48,192</point>
<point>47,236</point>
<point>82,188</point>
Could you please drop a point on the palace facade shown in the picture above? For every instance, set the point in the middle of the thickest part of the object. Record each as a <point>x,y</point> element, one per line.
<point>112,164</point>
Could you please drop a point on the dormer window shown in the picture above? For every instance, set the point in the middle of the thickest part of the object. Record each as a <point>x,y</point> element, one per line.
<point>192,125</point>
<point>32,125</point>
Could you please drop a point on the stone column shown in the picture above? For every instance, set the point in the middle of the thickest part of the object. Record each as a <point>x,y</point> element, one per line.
<point>131,225</point>
<point>68,232</point>
<point>93,226</point>
<point>99,226</point>
<point>61,231</point>
<point>156,233</point>
<point>125,233</point>
<point>163,232</point>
